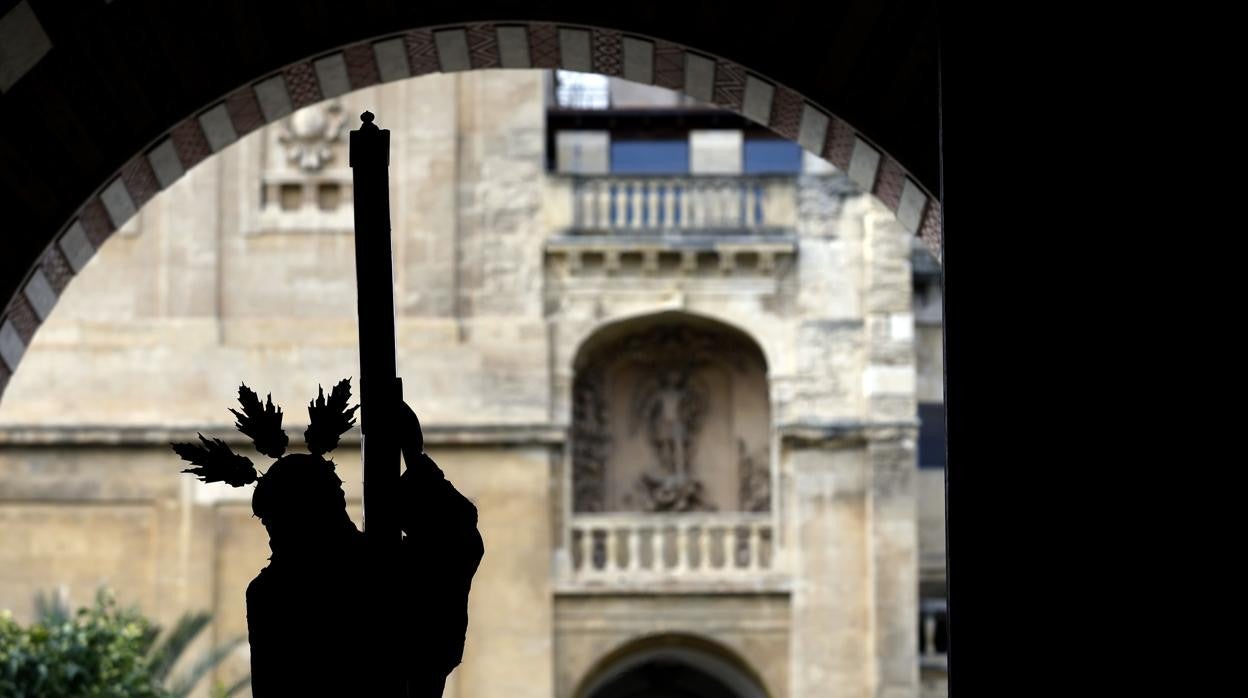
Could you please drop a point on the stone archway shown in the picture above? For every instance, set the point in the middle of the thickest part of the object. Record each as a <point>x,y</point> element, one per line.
<point>672,667</point>
<point>124,98</point>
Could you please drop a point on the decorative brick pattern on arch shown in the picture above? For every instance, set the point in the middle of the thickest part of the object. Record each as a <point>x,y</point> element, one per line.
<point>669,65</point>
<point>838,147</point>
<point>244,111</point>
<point>422,52</point>
<point>361,66</point>
<point>56,268</point>
<point>786,112</point>
<point>483,46</point>
<point>929,232</point>
<point>23,317</point>
<point>302,85</point>
<point>729,85</point>
<point>544,45</point>
<point>140,181</point>
<point>889,183</point>
<point>95,222</point>
<point>608,51</point>
<point>190,143</point>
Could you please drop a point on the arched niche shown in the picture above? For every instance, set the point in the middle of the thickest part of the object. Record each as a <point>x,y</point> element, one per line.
<point>670,413</point>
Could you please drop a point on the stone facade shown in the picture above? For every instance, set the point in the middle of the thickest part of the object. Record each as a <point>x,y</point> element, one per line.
<point>243,271</point>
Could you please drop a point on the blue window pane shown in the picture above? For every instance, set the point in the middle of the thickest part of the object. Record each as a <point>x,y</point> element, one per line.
<point>931,435</point>
<point>650,157</point>
<point>772,156</point>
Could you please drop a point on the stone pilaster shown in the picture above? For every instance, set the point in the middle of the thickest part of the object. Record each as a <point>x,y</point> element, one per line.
<point>889,383</point>
<point>830,655</point>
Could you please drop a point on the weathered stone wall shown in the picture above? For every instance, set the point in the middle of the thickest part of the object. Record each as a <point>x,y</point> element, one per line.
<point>207,287</point>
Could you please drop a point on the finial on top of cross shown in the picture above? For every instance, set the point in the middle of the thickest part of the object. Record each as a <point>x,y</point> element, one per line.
<point>367,117</point>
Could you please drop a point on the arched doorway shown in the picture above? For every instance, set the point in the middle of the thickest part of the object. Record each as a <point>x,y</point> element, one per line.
<point>673,668</point>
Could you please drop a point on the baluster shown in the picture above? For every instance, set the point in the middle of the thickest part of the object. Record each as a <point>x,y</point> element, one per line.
<point>710,204</point>
<point>583,551</point>
<point>634,549</point>
<point>617,206</point>
<point>653,212</point>
<point>682,557</point>
<point>635,197</point>
<point>743,205</point>
<point>610,562</point>
<point>669,205</point>
<point>603,219</point>
<point>757,208</point>
<point>704,548</point>
<point>593,216</point>
<point>688,193</point>
<point>753,561</point>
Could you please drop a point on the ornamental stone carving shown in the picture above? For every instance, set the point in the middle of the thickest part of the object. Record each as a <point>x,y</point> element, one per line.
<point>309,134</point>
<point>672,417</point>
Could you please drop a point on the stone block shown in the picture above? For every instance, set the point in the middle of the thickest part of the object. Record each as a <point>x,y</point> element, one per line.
<point>452,50</point>
<point>513,47</point>
<point>331,73</point>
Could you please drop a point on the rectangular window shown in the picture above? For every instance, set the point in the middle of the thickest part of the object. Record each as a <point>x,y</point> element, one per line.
<point>772,156</point>
<point>650,157</point>
<point>931,435</point>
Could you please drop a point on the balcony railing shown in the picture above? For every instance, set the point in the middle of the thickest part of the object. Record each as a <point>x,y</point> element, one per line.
<point>614,551</point>
<point>622,204</point>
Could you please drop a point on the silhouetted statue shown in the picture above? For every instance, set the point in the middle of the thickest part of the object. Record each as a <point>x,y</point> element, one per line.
<point>315,625</point>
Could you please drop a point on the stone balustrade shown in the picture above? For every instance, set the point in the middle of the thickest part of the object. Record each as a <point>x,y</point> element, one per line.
<point>621,204</point>
<point>698,551</point>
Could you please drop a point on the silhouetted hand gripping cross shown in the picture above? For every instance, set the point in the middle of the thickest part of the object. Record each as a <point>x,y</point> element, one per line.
<point>315,625</point>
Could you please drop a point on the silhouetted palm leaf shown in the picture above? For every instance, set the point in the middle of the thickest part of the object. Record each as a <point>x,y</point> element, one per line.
<point>263,423</point>
<point>216,461</point>
<point>329,419</point>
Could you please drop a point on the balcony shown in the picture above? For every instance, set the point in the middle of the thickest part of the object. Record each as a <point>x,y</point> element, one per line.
<point>675,224</point>
<point>689,552</point>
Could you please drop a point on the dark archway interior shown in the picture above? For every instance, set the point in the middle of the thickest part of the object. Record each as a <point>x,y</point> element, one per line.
<point>664,678</point>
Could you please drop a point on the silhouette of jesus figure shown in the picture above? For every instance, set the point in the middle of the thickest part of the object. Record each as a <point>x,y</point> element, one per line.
<point>315,624</point>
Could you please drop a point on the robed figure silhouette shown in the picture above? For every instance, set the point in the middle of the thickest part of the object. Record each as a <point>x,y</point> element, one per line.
<point>315,624</point>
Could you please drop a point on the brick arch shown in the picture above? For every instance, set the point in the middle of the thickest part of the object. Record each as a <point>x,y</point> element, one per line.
<point>180,144</point>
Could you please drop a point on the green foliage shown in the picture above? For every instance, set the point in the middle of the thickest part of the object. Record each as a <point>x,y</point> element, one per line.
<point>104,651</point>
<point>98,652</point>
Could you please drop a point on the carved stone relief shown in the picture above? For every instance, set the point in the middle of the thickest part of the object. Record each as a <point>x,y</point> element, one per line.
<point>672,418</point>
<point>309,134</point>
<point>672,406</point>
<point>755,479</point>
<point>590,443</point>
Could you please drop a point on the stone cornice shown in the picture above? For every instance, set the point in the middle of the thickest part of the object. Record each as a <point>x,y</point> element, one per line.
<point>149,435</point>
<point>845,431</point>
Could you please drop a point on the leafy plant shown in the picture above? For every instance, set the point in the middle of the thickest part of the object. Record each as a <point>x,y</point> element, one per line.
<point>104,651</point>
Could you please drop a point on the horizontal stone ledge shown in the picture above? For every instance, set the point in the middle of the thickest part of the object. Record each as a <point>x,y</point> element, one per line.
<point>613,255</point>
<point>118,435</point>
<point>779,240</point>
<point>847,430</point>
<point>759,584</point>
